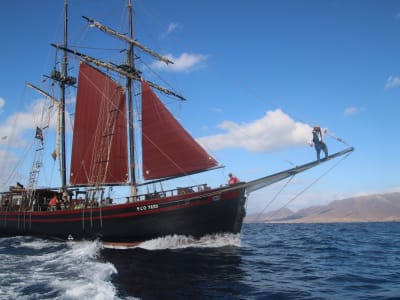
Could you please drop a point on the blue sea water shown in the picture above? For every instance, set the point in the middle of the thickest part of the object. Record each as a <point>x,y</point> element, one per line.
<point>266,261</point>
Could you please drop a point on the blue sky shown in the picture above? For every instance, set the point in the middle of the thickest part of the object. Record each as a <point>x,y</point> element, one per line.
<point>257,76</point>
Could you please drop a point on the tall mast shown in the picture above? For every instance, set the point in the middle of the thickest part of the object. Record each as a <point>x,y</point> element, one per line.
<point>131,64</point>
<point>62,99</point>
<point>63,79</point>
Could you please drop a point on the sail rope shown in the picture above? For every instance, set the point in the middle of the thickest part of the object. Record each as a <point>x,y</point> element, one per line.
<point>311,184</point>
<point>156,75</point>
<point>340,140</point>
<point>275,196</point>
<point>168,157</point>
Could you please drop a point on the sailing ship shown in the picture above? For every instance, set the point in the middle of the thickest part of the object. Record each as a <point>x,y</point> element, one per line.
<point>103,156</point>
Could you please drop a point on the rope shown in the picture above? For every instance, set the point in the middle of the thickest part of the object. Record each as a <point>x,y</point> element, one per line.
<point>301,192</point>
<point>315,181</point>
<point>337,138</point>
<point>275,196</point>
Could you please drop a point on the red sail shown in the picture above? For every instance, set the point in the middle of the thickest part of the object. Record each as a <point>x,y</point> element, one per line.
<point>168,150</point>
<point>99,148</point>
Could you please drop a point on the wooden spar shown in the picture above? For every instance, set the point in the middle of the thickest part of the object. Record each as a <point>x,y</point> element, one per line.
<point>57,103</point>
<point>54,100</point>
<point>260,183</point>
<point>64,72</point>
<point>131,136</point>
<point>119,69</point>
<point>127,39</point>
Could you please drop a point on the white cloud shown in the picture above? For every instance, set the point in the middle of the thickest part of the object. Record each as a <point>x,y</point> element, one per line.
<point>8,162</point>
<point>352,110</point>
<point>2,102</point>
<point>275,130</point>
<point>392,82</point>
<point>16,125</point>
<point>172,27</point>
<point>17,136</point>
<point>217,110</point>
<point>185,62</point>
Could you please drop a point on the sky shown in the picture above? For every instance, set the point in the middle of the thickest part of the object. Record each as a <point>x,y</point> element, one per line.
<point>257,76</point>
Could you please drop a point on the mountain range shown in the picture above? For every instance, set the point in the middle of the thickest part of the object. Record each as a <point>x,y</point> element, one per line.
<point>371,208</point>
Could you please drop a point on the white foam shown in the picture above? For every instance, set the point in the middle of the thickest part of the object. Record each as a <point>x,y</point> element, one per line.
<point>35,244</point>
<point>181,242</point>
<point>71,271</point>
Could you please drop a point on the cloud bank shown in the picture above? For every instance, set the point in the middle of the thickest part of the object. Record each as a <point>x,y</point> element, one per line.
<point>274,131</point>
<point>14,128</point>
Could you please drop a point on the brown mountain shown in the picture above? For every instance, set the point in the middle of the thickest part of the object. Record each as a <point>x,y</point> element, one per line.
<point>372,208</point>
<point>280,214</point>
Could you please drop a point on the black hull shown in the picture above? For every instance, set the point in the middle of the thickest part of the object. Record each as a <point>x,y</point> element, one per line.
<point>197,214</point>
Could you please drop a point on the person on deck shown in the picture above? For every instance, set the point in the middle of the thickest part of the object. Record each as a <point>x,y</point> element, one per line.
<point>232,179</point>
<point>318,142</point>
<point>95,203</point>
<point>53,203</point>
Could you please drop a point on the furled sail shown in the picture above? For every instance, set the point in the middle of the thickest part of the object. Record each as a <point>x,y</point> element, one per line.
<point>168,150</point>
<point>99,148</point>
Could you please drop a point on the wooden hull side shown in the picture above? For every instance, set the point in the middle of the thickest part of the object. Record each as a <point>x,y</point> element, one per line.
<point>197,214</point>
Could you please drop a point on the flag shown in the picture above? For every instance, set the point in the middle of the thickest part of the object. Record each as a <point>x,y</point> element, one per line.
<point>39,134</point>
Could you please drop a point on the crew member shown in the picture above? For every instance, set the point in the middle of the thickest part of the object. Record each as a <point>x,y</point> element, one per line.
<point>53,203</point>
<point>232,179</point>
<point>318,142</point>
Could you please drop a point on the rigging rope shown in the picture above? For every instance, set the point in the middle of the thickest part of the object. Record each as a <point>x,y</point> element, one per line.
<point>275,196</point>
<point>305,189</point>
<point>336,138</point>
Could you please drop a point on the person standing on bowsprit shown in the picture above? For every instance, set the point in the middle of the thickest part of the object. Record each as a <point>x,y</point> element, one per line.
<point>318,142</point>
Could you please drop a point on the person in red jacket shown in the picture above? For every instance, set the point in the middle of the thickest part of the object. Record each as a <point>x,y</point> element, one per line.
<point>53,203</point>
<point>232,179</point>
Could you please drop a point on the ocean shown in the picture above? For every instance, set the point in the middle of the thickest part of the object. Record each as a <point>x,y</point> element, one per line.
<point>266,261</point>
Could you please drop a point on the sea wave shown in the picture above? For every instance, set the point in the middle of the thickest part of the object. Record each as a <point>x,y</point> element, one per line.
<point>42,269</point>
<point>266,261</point>
<point>182,242</point>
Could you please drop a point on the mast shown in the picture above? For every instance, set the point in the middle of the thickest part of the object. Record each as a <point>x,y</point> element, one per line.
<point>131,64</point>
<point>62,98</point>
<point>63,79</point>
<point>128,71</point>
